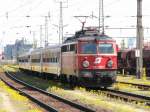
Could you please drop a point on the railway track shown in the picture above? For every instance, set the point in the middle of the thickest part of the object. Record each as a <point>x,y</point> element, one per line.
<point>128,97</point>
<point>48,101</point>
<point>140,86</point>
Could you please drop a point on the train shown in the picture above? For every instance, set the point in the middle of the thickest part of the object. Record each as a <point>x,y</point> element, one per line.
<point>87,58</point>
<point>127,61</point>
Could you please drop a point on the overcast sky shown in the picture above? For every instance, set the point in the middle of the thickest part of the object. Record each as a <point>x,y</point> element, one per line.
<point>13,20</point>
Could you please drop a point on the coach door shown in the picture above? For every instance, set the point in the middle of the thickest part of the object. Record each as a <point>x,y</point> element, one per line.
<point>68,59</point>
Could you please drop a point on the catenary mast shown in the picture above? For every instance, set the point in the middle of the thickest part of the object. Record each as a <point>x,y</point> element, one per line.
<point>139,41</point>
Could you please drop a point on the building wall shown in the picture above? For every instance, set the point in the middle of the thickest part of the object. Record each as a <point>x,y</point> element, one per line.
<point>13,51</point>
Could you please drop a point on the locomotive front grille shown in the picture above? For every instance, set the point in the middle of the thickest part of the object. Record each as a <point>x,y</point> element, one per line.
<point>96,73</point>
<point>97,77</point>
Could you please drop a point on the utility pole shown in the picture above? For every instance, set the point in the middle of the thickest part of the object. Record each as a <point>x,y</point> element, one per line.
<point>40,35</point>
<point>46,31</point>
<point>101,17</point>
<point>46,28</point>
<point>34,40</point>
<point>61,24</point>
<point>41,56</point>
<point>139,41</point>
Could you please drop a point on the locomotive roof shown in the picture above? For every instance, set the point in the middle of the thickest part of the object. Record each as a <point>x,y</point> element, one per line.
<point>87,34</point>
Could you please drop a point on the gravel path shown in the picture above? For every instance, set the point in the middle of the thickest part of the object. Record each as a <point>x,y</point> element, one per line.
<point>6,104</point>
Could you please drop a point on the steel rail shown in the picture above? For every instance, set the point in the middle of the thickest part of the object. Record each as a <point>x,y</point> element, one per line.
<point>138,85</point>
<point>128,96</point>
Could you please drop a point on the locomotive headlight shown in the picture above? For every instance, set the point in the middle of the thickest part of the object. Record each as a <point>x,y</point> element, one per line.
<point>110,63</point>
<point>85,64</point>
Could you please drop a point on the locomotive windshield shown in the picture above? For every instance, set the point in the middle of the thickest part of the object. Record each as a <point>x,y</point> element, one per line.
<point>94,48</point>
<point>105,48</point>
<point>88,48</point>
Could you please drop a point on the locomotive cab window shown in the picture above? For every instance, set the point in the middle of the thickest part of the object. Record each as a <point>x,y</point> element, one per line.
<point>105,48</point>
<point>88,48</point>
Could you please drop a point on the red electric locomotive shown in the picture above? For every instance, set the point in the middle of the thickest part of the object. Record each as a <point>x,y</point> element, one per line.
<point>94,62</point>
<point>87,59</point>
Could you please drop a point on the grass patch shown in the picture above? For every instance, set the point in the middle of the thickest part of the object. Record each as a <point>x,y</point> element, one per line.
<point>93,98</point>
<point>3,110</point>
<point>1,99</point>
<point>10,68</point>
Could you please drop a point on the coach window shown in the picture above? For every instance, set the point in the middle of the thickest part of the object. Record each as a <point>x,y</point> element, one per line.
<point>55,59</point>
<point>37,60</point>
<point>64,49</point>
<point>47,59</point>
<point>32,60</point>
<point>26,60</point>
<point>72,47</point>
<point>43,59</point>
<point>50,59</point>
<point>58,57</point>
<point>68,48</point>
